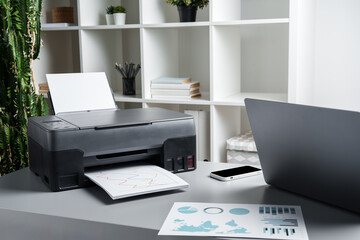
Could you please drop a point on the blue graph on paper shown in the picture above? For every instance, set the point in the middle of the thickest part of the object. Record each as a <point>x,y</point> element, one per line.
<point>239,211</point>
<point>235,220</point>
<point>187,210</point>
<point>207,226</point>
<point>281,222</point>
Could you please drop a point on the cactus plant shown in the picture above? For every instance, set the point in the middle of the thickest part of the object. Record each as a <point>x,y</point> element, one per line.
<point>19,46</point>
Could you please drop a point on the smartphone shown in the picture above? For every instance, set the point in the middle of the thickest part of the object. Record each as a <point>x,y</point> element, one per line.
<point>235,173</point>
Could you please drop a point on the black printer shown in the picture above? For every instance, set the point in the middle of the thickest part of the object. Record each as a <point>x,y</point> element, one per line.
<point>62,147</point>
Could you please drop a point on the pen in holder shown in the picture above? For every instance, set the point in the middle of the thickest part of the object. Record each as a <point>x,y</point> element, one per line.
<point>128,86</point>
<point>128,73</point>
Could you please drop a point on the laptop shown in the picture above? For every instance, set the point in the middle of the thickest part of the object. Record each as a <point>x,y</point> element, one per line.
<point>309,150</point>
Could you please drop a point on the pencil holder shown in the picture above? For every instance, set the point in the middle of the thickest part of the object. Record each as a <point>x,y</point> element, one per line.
<point>129,86</point>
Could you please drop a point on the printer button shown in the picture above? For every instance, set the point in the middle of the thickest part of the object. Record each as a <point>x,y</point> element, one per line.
<point>180,163</point>
<point>169,164</point>
<point>190,161</point>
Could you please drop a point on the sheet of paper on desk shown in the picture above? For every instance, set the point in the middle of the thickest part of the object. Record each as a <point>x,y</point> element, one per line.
<point>135,180</point>
<point>235,220</point>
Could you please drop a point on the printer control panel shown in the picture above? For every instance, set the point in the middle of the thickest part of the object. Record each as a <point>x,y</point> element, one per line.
<point>57,125</point>
<point>53,123</point>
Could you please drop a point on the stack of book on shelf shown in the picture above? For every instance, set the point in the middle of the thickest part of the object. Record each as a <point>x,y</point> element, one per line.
<point>174,88</point>
<point>43,88</point>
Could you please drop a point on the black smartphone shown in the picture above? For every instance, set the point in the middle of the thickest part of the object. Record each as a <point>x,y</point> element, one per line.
<point>235,173</point>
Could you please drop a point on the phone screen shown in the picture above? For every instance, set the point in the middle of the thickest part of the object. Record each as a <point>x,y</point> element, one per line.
<point>236,171</point>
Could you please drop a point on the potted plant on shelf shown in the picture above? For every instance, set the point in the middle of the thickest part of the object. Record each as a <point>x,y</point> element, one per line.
<point>109,15</point>
<point>187,8</point>
<point>119,15</point>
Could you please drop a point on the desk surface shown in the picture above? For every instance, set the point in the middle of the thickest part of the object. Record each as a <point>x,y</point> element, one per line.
<point>28,210</point>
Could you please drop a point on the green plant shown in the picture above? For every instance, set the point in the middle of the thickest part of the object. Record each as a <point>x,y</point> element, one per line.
<point>195,3</point>
<point>19,46</point>
<point>110,9</point>
<point>119,9</point>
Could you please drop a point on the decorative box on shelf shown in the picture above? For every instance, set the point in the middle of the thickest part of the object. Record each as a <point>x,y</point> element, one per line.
<point>62,15</point>
<point>242,149</point>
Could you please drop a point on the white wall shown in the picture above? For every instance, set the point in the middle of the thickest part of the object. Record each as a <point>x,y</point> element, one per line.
<point>328,50</point>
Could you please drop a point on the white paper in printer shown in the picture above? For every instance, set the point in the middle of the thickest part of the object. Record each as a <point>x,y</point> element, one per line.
<point>135,180</point>
<point>77,92</point>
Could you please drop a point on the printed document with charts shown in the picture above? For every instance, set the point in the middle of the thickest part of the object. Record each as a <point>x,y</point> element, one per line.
<point>132,180</point>
<point>235,221</point>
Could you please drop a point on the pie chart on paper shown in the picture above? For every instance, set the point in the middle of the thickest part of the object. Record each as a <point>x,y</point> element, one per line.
<point>187,210</point>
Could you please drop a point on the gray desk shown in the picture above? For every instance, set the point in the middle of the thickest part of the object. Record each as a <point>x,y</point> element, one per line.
<point>29,211</point>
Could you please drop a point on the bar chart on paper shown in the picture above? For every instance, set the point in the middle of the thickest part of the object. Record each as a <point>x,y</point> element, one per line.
<point>235,220</point>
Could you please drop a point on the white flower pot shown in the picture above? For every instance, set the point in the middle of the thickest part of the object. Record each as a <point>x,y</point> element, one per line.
<point>109,19</point>
<point>119,18</point>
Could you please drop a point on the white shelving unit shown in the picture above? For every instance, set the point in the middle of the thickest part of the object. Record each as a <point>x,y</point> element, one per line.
<point>236,49</point>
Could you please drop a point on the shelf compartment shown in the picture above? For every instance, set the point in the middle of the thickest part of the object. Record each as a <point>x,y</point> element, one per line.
<point>109,47</point>
<point>202,125</point>
<point>233,10</point>
<point>227,122</point>
<point>60,52</point>
<point>93,11</point>
<point>179,52</point>
<point>46,15</point>
<point>158,11</point>
<point>249,59</point>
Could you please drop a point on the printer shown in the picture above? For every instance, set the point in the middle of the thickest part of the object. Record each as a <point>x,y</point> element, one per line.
<point>89,132</point>
<point>63,147</point>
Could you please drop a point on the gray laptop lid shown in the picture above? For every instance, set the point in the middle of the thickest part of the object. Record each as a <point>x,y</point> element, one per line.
<point>309,150</point>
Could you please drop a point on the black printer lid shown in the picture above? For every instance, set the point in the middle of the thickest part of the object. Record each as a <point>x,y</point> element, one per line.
<point>117,118</point>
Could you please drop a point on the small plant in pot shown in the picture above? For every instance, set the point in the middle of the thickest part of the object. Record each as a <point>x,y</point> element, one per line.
<point>109,15</point>
<point>119,15</point>
<point>187,8</point>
